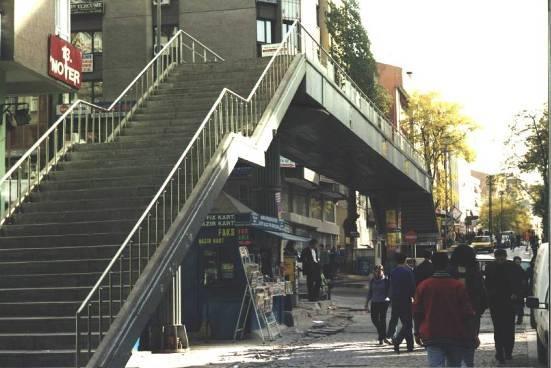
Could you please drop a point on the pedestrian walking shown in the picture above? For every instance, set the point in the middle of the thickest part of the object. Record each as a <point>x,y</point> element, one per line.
<point>378,295</point>
<point>519,303</point>
<point>425,269</point>
<point>464,267</point>
<point>504,290</point>
<point>312,269</point>
<point>442,312</point>
<point>402,289</point>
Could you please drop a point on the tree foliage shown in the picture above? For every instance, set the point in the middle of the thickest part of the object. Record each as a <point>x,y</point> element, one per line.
<point>529,153</point>
<point>351,49</point>
<point>436,127</point>
<point>513,215</point>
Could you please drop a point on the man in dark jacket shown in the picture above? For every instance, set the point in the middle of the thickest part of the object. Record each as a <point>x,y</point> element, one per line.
<point>442,313</point>
<point>425,268</point>
<point>402,289</point>
<point>504,288</point>
<point>312,269</point>
<point>463,267</point>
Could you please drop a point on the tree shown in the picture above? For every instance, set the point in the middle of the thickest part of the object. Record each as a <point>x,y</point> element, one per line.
<point>350,47</point>
<point>529,153</point>
<point>514,216</point>
<point>436,128</point>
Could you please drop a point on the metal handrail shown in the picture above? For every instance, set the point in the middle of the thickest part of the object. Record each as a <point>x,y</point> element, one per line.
<point>231,113</point>
<point>413,153</point>
<point>51,147</point>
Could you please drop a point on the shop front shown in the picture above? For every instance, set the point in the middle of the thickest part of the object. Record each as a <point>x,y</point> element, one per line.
<point>214,279</point>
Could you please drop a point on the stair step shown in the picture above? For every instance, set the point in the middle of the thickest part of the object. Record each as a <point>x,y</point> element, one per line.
<point>65,240</point>
<point>82,215</point>
<point>119,225</point>
<point>72,184</point>
<point>148,160</point>
<point>64,280</point>
<point>80,204</point>
<point>58,253</point>
<point>54,267</point>
<point>78,293</point>
<point>48,308</point>
<point>49,324</point>
<point>41,341</point>
<point>91,193</point>
<point>151,129</point>
<point>159,170</point>
<point>46,358</point>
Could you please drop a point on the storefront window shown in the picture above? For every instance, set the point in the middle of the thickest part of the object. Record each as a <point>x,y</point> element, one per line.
<point>315,208</point>
<point>88,42</point>
<point>218,266</point>
<point>329,211</point>
<point>300,205</point>
<point>91,91</point>
<point>285,201</point>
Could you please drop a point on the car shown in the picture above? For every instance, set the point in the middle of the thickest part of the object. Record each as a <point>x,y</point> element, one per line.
<point>483,242</point>
<point>484,259</point>
<point>539,302</point>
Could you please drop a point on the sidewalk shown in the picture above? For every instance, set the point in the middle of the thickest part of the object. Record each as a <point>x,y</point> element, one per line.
<point>312,320</point>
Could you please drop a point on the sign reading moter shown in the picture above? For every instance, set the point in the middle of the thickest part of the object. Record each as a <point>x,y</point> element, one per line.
<point>65,62</point>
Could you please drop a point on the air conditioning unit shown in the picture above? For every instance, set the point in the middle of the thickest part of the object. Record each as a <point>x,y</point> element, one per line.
<point>163,2</point>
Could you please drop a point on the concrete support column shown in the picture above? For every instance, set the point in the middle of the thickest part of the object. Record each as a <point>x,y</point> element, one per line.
<point>392,229</point>
<point>3,146</point>
<point>128,52</point>
<point>267,183</point>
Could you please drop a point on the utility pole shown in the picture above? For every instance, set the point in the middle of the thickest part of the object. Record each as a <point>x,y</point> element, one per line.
<point>490,220</point>
<point>446,206</point>
<point>158,46</point>
<point>501,192</point>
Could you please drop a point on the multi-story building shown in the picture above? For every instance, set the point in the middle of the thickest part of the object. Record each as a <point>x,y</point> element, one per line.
<point>469,197</point>
<point>391,79</point>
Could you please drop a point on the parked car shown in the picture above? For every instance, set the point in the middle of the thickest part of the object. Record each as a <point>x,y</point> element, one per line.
<point>483,242</point>
<point>539,302</point>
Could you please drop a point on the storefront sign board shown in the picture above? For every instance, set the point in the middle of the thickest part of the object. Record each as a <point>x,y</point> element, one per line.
<point>65,62</point>
<point>86,7</point>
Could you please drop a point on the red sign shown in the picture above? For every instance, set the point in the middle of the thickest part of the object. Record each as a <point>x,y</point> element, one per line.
<point>65,62</point>
<point>411,237</point>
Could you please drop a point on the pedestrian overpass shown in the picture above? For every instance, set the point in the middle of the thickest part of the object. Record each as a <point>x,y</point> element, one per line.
<point>101,211</point>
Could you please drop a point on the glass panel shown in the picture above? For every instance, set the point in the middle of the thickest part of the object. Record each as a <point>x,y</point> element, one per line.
<point>63,19</point>
<point>82,40</point>
<point>98,42</point>
<point>98,91</point>
<point>85,91</point>
<point>329,211</point>
<point>268,31</point>
<point>315,208</point>
<point>260,31</point>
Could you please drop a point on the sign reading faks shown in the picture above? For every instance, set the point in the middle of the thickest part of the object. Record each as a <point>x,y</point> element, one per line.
<point>65,62</point>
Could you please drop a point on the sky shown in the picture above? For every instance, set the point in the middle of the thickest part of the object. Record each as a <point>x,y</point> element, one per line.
<point>489,56</point>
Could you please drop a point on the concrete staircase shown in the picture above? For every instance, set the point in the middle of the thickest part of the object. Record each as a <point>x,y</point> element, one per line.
<point>55,248</point>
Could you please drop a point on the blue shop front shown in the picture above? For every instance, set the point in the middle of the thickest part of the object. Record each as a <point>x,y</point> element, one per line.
<point>213,279</point>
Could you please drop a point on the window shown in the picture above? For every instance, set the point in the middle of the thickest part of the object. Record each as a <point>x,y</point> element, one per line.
<point>91,91</point>
<point>63,19</point>
<point>315,208</point>
<point>264,31</point>
<point>88,42</point>
<point>290,9</point>
<point>300,205</point>
<point>329,211</point>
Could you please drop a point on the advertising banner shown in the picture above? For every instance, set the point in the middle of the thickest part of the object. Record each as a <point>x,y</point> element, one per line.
<point>65,62</point>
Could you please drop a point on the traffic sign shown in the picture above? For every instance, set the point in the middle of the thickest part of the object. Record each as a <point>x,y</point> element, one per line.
<point>411,237</point>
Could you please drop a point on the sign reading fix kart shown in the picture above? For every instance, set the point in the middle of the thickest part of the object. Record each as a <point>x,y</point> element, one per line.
<point>65,62</point>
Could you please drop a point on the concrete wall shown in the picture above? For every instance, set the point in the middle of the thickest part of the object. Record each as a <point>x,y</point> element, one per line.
<point>227,27</point>
<point>34,21</point>
<point>6,8</point>
<point>129,46</point>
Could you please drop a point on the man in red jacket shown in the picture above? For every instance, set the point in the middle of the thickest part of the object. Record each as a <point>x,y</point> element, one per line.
<point>442,312</point>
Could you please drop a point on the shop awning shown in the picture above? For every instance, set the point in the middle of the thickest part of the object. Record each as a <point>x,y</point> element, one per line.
<point>287,236</point>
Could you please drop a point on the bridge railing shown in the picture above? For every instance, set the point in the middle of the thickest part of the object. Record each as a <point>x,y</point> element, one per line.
<point>317,55</point>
